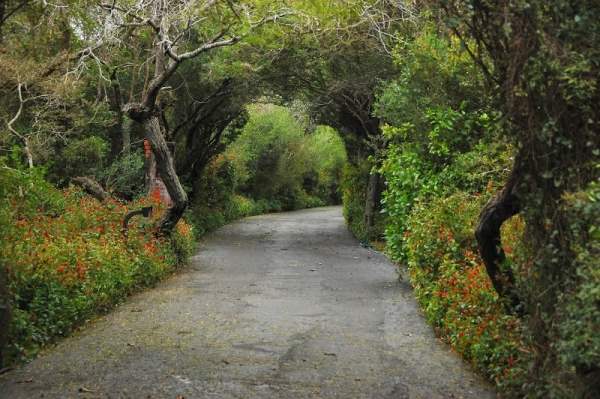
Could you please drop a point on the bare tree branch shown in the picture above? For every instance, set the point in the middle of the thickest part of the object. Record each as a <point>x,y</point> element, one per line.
<point>10,123</point>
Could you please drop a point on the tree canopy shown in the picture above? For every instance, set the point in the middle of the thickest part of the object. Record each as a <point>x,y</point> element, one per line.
<point>460,135</point>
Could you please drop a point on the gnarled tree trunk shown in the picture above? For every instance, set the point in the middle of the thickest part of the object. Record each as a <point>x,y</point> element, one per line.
<point>166,170</point>
<point>498,209</point>
<point>162,19</point>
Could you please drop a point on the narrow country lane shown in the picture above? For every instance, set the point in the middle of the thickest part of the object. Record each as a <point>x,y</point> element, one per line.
<point>278,306</point>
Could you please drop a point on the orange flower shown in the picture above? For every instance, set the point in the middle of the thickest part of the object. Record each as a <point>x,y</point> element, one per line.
<point>81,270</point>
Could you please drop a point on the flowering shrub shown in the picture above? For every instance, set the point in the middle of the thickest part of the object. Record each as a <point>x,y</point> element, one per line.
<point>454,290</point>
<point>67,259</point>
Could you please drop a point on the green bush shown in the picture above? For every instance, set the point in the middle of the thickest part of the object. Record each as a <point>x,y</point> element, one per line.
<point>326,157</point>
<point>578,341</point>
<point>83,156</point>
<point>278,162</point>
<point>217,203</point>
<point>443,162</point>
<point>125,176</point>
<point>354,188</point>
<point>440,131</point>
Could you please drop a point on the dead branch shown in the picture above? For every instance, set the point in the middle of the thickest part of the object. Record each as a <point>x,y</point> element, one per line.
<point>23,138</point>
<point>92,187</point>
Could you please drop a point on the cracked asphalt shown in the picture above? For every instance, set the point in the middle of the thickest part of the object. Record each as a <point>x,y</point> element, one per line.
<point>284,305</point>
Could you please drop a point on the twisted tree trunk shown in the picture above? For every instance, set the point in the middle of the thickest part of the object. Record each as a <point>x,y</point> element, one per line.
<point>499,209</point>
<point>166,170</point>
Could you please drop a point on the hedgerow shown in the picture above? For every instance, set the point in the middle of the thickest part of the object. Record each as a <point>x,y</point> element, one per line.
<point>68,260</point>
<point>450,149</point>
<point>454,290</point>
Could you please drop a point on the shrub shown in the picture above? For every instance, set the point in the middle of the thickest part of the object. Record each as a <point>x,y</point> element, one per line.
<point>67,260</point>
<point>277,161</point>
<point>326,157</point>
<point>578,321</point>
<point>83,156</point>
<point>125,176</point>
<point>454,290</point>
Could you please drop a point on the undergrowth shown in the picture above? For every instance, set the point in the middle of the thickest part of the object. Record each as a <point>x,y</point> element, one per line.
<point>67,259</point>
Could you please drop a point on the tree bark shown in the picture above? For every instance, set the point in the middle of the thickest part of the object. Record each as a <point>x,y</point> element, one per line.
<point>372,200</point>
<point>166,170</point>
<point>126,136</point>
<point>498,209</point>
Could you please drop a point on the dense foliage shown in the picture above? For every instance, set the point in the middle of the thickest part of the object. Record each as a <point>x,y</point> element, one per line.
<point>462,133</point>
<point>67,258</point>
<point>542,60</point>
<point>451,284</point>
<point>278,161</point>
<point>274,163</point>
<point>447,156</point>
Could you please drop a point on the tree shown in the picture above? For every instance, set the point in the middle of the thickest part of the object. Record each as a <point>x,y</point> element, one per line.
<point>542,60</point>
<point>173,27</point>
<point>200,124</point>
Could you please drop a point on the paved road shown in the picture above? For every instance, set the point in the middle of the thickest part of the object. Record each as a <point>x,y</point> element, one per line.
<point>277,306</point>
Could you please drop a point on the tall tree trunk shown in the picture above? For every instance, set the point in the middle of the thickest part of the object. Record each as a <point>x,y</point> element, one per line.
<point>372,200</point>
<point>166,170</point>
<point>499,209</point>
